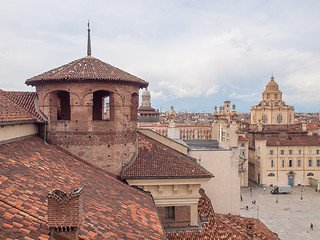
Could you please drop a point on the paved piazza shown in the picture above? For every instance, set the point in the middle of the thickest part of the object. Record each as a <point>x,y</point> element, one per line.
<point>285,214</point>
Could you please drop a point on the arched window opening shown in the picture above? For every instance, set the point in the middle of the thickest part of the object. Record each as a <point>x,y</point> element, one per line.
<point>102,105</point>
<point>134,107</point>
<point>63,105</point>
<point>310,174</point>
<point>271,175</point>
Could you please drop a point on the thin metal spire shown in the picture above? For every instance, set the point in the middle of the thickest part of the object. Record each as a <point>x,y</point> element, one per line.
<point>89,42</point>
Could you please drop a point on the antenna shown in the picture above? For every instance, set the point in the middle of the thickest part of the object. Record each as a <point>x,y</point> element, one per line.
<point>89,42</point>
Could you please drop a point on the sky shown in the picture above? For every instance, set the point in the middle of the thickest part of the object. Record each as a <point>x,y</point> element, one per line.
<point>194,54</point>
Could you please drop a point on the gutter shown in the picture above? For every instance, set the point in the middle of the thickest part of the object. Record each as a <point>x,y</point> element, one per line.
<point>18,122</point>
<point>164,177</point>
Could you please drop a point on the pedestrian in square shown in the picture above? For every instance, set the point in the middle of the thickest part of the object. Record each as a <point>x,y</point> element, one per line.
<point>311,226</point>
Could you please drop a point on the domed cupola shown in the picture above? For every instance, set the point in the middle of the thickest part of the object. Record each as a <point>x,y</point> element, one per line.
<point>146,92</point>
<point>272,85</point>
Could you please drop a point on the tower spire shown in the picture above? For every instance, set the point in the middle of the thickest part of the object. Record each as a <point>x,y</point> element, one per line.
<point>89,42</point>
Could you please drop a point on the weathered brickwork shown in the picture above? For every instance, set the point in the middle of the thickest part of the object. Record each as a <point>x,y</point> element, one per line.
<point>92,139</point>
<point>95,120</point>
<point>65,212</point>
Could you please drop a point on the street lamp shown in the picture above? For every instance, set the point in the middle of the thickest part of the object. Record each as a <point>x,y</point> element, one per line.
<point>301,195</point>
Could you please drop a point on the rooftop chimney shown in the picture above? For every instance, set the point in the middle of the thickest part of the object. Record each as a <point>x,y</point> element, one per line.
<point>250,230</point>
<point>65,213</point>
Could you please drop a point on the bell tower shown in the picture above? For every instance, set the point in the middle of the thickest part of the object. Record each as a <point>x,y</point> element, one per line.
<point>92,110</point>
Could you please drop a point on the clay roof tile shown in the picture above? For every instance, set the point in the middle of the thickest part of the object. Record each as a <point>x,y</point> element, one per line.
<point>30,169</point>
<point>87,68</point>
<point>155,160</point>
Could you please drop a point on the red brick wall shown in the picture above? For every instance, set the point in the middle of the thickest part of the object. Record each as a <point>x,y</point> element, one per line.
<point>65,213</point>
<point>109,144</point>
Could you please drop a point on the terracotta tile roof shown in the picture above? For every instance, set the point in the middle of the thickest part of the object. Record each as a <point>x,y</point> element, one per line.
<point>177,126</point>
<point>87,68</point>
<point>156,160</point>
<point>30,169</point>
<point>26,100</point>
<point>194,126</point>
<point>220,226</point>
<point>306,140</point>
<point>143,108</point>
<point>147,110</point>
<point>268,129</point>
<point>16,224</point>
<point>243,139</point>
<point>13,113</point>
<point>313,125</point>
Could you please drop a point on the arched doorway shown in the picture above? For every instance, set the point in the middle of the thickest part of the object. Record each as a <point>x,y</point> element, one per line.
<point>291,178</point>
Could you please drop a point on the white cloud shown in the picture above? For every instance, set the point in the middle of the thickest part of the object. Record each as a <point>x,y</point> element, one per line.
<point>212,90</point>
<point>245,97</point>
<point>212,49</point>
<point>157,95</point>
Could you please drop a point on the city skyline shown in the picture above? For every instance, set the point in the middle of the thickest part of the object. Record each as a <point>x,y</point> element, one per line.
<point>194,54</point>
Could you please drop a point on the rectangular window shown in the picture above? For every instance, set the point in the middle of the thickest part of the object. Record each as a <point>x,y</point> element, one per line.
<point>290,152</point>
<point>290,163</point>
<point>282,152</point>
<point>169,213</point>
<point>298,163</point>
<point>275,96</point>
<point>318,151</point>
<point>271,163</point>
<point>241,152</point>
<point>268,96</point>
<point>310,163</point>
<point>310,151</point>
<point>283,163</point>
<point>271,152</point>
<point>318,163</point>
<point>300,151</point>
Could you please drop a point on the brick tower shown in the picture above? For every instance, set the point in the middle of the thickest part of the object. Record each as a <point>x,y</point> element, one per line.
<point>92,110</point>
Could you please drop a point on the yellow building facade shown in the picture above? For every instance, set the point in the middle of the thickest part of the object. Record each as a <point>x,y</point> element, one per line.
<point>292,161</point>
<point>280,153</point>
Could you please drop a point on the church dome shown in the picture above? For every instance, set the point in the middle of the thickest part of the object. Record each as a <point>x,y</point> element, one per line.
<point>272,85</point>
<point>146,92</point>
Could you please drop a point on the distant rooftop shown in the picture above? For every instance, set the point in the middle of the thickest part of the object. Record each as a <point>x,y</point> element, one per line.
<point>202,144</point>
